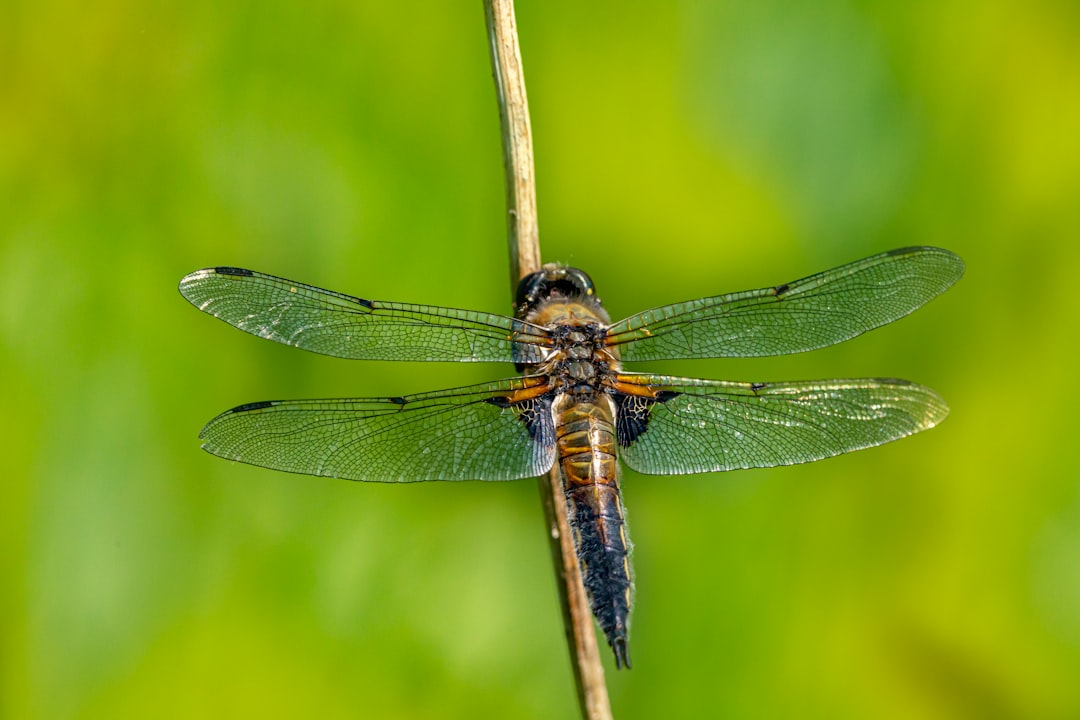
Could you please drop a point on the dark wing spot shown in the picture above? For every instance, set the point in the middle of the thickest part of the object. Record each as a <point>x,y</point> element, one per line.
<point>781,289</point>
<point>247,407</point>
<point>904,251</point>
<point>757,386</point>
<point>632,414</point>
<point>396,400</point>
<point>225,270</point>
<point>366,303</point>
<point>535,413</point>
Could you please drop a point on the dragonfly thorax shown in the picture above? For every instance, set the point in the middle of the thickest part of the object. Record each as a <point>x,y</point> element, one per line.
<point>580,354</point>
<point>562,300</point>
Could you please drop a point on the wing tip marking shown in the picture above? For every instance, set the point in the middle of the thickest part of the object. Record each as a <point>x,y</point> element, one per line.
<point>234,271</point>
<point>248,407</point>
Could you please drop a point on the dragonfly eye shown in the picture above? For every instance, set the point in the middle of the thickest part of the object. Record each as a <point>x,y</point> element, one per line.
<point>580,281</point>
<point>549,281</point>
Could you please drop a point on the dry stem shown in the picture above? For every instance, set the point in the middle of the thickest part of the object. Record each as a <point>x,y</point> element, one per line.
<point>524,259</point>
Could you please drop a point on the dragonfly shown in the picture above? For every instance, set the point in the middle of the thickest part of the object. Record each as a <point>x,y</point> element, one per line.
<point>572,406</point>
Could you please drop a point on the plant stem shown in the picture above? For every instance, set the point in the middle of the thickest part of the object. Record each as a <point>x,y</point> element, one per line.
<point>522,228</point>
<point>523,236</point>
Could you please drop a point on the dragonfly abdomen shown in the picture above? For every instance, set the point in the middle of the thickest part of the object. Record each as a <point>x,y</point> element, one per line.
<point>585,436</point>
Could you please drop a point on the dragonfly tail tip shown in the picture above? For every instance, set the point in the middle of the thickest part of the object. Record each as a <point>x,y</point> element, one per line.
<point>622,653</point>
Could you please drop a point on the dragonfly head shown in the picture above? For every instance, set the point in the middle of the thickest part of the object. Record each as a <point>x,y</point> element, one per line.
<point>552,281</point>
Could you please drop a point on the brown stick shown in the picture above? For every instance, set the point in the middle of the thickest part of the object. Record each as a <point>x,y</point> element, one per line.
<point>524,241</point>
<point>521,223</point>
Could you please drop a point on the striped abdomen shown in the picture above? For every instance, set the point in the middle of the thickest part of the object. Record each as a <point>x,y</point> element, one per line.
<point>585,436</point>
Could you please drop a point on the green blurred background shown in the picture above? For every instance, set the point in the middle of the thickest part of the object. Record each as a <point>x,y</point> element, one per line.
<point>683,149</point>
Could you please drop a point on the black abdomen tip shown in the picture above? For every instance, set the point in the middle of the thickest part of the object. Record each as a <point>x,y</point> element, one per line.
<point>622,653</point>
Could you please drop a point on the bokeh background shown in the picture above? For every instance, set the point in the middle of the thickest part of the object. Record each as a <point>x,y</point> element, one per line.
<point>683,149</point>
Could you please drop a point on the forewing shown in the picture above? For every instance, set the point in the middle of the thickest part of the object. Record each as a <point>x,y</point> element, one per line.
<point>472,433</point>
<point>693,426</point>
<point>806,314</point>
<point>335,324</point>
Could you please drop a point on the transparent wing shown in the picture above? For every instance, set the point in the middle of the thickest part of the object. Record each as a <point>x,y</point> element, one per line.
<point>806,314</point>
<point>697,426</point>
<point>335,324</point>
<point>469,433</point>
